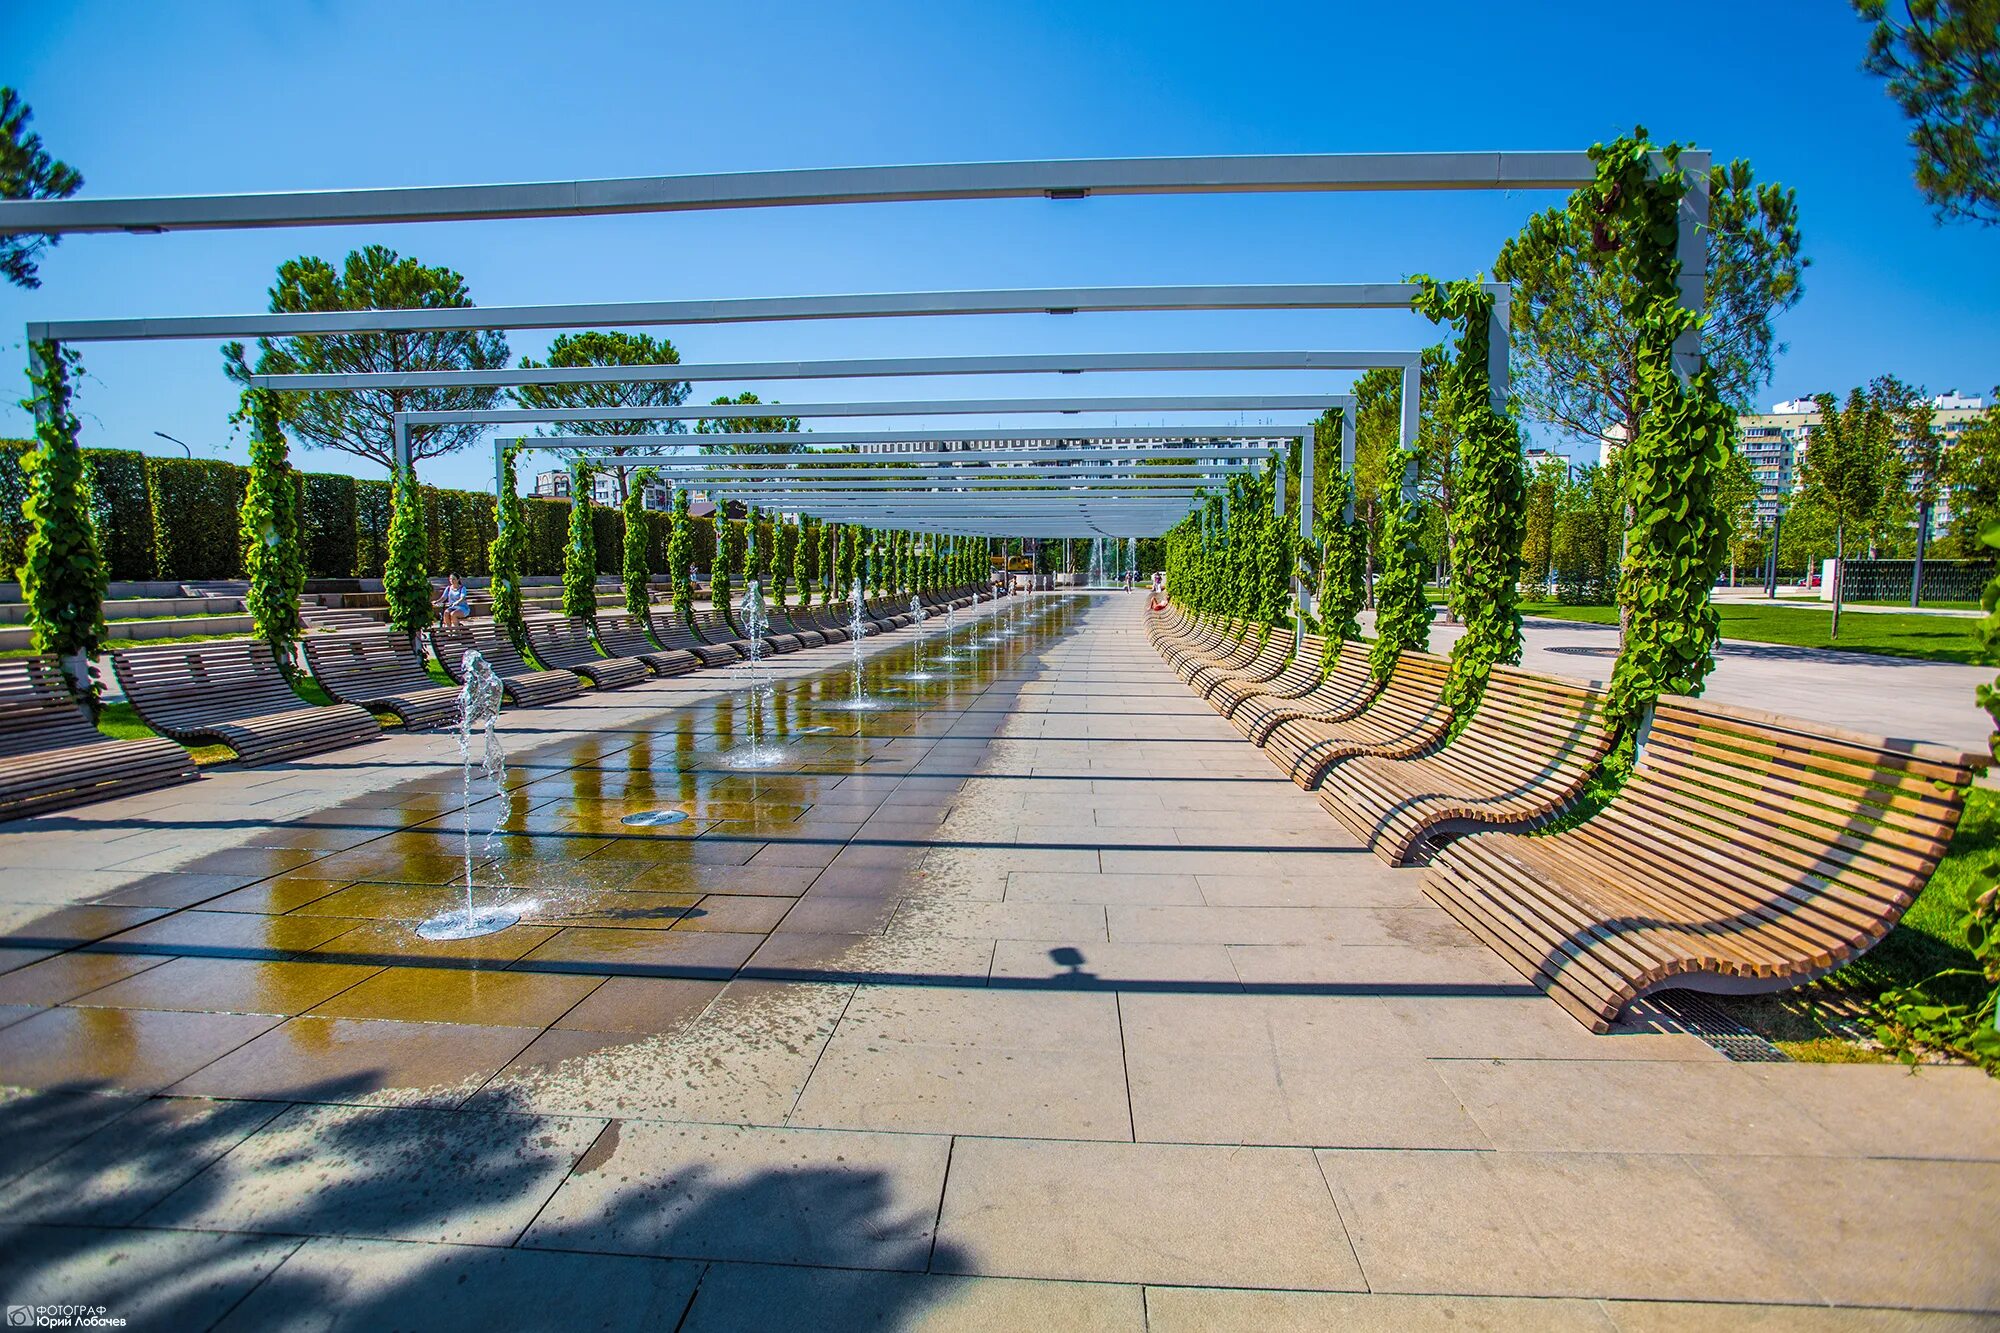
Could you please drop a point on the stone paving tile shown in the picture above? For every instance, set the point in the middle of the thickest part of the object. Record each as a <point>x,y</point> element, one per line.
<point>1089,964</point>
<point>137,1050</point>
<point>229,986</point>
<point>1627,1106</point>
<point>362,1060</point>
<point>751,1298</point>
<point>1104,888</point>
<point>373,1284</point>
<point>1028,1063</point>
<point>152,1279</point>
<point>1534,1224</point>
<point>743,1061</point>
<point>36,1124</point>
<point>460,995</point>
<point>1258,1217</point>
<point>123,1169</point>
<point>246,934</point>
<point>646,1005</point>
<point>1872,1231</point>
<point>388,1173</point>
<point>713,955</point>
<point>1201,1309</point>
<point>65,976</point>
<point>1284,1070</point>
<point>827,1198</point>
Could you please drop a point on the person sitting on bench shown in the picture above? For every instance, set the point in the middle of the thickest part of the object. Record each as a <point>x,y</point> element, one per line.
<point>453,603</point>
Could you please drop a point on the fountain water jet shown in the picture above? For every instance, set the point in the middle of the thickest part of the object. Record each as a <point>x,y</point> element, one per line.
<point>478,709</point>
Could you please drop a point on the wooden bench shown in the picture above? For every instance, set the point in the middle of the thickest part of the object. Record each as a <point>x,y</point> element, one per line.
<point>676,635</point>
<point>785,622</point>
<point>1521,761</point>
<point>1406,717</point>
<point>1302,671</point>
<point>52,757</point>
<point>1746,853</point>
<point>522,684</point>
<point>715,629</point>
<point>1344,690</point>
<point>1234,646</point>
<point>231,692</point>
<point>563,643</point>
<point>381,670</point>
<point>828,622</point>
<point>1269,661</point>
<point>623,635</point>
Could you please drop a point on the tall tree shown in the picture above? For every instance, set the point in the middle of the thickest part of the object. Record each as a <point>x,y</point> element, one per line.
<point>1915,423</point>
<point>1942,61</point>
<point>1378,418</point>
<point>27,172</point>
<point>738,424</point>
<point>361,422</point>
<point>1575,342</point>
<point>1972,480</point>
<point>1850,469</point>
<point>598,348</point>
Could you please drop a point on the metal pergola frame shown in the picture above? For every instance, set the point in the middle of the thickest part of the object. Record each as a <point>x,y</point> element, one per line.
<point>957,181</point>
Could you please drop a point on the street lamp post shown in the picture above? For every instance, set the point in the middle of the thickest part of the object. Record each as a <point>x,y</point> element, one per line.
<point>182,443</point>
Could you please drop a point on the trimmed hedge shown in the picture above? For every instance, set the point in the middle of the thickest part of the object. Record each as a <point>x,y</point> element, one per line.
<point>177,519</point>
<point>195,502</point>
<point>329,525</point>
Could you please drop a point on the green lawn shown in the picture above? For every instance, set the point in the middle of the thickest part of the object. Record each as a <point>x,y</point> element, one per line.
<point>1832,1019</point>
<point>1931,638</point>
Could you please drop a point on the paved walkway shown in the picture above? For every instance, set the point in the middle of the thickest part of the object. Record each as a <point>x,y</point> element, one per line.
<point>1037,999</point>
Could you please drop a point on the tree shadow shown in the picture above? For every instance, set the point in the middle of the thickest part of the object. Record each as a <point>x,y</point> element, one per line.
<point>186,1213</point>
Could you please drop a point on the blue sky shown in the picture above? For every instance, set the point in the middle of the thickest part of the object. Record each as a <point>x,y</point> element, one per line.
<point>245,96</point>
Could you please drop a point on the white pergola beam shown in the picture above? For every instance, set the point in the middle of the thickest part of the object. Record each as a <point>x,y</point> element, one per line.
<point>860,368</point>
<point>1304,172</point>
<point>757,309</point>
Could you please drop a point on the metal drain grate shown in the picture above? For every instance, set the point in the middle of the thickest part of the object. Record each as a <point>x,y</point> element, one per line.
<point>1718,1027</point>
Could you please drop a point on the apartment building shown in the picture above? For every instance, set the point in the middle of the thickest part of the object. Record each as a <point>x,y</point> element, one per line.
<point>1774,442</point>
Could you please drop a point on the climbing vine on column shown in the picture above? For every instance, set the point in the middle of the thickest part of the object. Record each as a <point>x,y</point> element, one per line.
<point>1676,462</point>
<point>634,567</point>
<point>1490,495</point>
<point>404,584</point>
<point>1402,613</point>
<point>728,560</point>
<point>1342,576</point>
<point>580,552</point>
<point>784,556</point>
<point>269,526</point>
<point>505,552</point>
<point>62,575</point>
<point>680,558</point>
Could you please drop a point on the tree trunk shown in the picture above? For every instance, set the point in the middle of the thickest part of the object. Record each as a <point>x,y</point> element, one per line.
<point>1923,540</point>
<point>1839,574</point>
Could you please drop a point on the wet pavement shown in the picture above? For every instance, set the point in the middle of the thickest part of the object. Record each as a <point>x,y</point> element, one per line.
<point>1030,996</point>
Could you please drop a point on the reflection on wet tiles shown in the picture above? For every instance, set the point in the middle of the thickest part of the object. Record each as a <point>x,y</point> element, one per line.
<point>367,1061</point>
<point>461,995</point>
<point>230,986</point>
<point>139,1050</point>
<point>61,977</point>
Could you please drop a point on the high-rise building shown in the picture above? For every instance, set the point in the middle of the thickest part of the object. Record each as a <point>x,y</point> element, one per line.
<point>554,485</point>
<point>1774,442</point>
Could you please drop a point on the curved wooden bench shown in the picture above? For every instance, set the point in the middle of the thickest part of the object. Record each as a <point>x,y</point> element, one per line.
<point>231,692</point>
<point>1521,761</point>
<point>783,622</point>
<point>52,757</point>
<point>1269,661</point>
<point>1303,670</point>
<point>676,635</point>
<point>1234,649</point>
<point>1405,718</point>
<point>623,635</point>
<point>382,671</point>
<point>716,630</point>
<point>563,643</point>
<point>827,623</point>
<point>1345,689</point>
<point>520,683</point>
<point>1201,641</point>
<point>1746,853</point>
